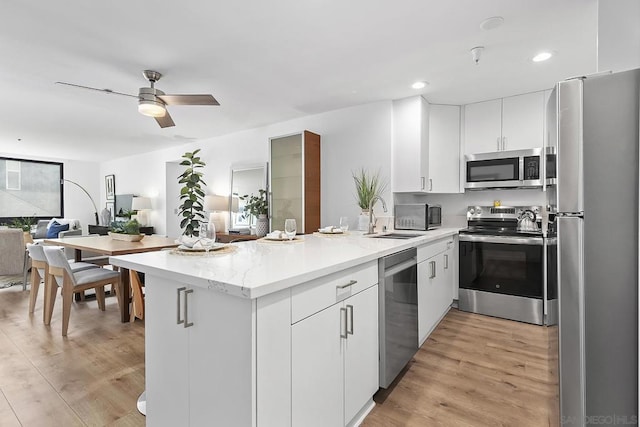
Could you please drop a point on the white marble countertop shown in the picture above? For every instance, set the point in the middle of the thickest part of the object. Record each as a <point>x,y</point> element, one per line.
<point>256,268</point>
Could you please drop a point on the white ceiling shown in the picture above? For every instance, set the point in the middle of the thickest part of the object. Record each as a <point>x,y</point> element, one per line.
<point>265,62</point>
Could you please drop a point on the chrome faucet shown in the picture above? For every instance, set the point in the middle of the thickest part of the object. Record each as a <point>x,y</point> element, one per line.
<point>371,203</point>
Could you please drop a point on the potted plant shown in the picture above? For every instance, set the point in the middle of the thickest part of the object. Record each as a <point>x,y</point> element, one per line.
<point>368,186</point>
<point>192,195</point>
<point>126,230</point>
<point>23,223</point>
<point>257,206</point>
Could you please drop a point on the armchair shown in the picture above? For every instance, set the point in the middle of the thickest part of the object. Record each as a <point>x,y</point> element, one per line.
<point>12,248</point>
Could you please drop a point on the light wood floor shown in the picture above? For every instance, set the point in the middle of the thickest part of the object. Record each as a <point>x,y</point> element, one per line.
<point>92,377</point>
<point>473,371</point>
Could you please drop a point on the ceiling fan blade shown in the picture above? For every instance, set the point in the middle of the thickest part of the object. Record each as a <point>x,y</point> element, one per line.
<point>189,99</point>
<point>166,121</point>
<point>109,91</point>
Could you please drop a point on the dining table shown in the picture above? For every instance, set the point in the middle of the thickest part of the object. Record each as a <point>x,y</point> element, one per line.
<point>106,245</point>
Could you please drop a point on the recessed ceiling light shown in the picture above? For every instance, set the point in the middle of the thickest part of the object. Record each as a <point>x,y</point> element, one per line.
<point>491,23</point>
<point>542,56</point>
<point>419,85</point>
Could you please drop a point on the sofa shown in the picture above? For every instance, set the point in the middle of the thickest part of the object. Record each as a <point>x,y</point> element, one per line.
<point>43,228</point>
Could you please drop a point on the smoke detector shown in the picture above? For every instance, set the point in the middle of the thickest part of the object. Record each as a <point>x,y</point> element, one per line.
<point>475,53</point>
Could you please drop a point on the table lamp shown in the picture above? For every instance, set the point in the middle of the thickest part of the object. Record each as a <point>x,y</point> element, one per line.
<point>217,205</point>
<point>141,205</point>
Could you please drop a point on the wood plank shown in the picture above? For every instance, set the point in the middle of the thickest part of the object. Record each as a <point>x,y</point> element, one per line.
<point>475,371</point>
<point>8,418</point>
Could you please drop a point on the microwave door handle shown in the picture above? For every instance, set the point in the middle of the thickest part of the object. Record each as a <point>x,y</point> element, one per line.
<point>521,168</point>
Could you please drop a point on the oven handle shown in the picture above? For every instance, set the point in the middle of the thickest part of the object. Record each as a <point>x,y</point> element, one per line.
<point>388,272</point>
<point>507,240</point>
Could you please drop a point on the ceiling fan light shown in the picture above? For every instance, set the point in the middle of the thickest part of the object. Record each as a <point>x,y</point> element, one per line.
<point>151,108</point>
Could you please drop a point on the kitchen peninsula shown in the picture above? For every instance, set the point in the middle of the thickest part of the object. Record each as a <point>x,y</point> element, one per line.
<point>233,338</point>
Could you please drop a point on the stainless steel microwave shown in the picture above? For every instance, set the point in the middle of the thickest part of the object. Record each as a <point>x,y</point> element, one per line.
<point>505,169</point>
<point>417,216</point>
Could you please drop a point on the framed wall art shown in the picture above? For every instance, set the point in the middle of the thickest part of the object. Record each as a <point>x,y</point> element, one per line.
<point>110,186</point>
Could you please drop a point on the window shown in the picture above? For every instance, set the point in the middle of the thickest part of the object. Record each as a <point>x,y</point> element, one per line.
<point>30,188</point>
<point>13,175</point>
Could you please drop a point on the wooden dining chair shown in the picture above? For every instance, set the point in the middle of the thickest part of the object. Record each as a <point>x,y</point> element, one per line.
<point>137,296</point>
<point>72,282</point>
<point>40,272</point>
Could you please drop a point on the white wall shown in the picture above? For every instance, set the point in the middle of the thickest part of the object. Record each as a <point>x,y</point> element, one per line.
<point>351,138</point>
<point>76,203</point>
<point>618,35</point>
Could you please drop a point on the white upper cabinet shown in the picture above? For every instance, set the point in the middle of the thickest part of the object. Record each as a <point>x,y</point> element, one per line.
<point>483,126</point>
<point>426,147</point>
<point>410,144</point>
<point>513,123</point>
<point>444,149</point>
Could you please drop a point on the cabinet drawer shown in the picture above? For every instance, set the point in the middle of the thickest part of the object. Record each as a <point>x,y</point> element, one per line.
<point>318,294</point>
<point>427,251</point>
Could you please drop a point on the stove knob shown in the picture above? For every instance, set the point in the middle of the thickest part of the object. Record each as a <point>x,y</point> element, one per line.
<point>472,211</point>
<point>478,210</point>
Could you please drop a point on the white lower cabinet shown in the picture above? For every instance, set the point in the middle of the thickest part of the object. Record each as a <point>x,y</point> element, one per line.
<point>334,361</point>
<point>436,283</point>
<point>189,332</point>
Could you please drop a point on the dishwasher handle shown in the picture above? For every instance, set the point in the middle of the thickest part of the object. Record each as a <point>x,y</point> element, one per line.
<point>388,272</point>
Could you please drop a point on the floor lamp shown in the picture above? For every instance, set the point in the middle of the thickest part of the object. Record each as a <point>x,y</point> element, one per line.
<point>95,208</point>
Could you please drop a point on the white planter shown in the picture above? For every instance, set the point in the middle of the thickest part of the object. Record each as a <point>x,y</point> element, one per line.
<point>262,225</point>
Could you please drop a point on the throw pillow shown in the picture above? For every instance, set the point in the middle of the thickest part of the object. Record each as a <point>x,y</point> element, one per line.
<point>55,229</point>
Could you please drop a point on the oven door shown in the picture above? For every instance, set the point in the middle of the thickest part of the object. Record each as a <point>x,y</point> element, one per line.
<point>502,264</point>
<point>502,277</point>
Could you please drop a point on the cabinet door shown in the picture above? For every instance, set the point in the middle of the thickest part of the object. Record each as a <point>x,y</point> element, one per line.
<point>361,355</point>
<point>410,144</point>
<point>444,149</point>
<point>286,180</point>
<point>166,356</point>
<point>427,297</point>
<point>220,351</point>
<point>523,121</point>
<point>317,388</point>
<point>444,284</point>
<point>482,127</point>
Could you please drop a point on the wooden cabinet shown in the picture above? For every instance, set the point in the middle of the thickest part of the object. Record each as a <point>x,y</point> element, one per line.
<point>436,281</point>
<point>104,230</point>
<point>334,361</point>
<point>425,146</point>
<point>513,123</point>
<point>295,181</point>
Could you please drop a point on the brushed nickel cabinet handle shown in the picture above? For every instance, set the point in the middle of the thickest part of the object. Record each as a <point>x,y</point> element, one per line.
<point>430,184</point>
<point>446,262</point>
<point>343,322</point>
<point>422,182</point>
<point>351,282</point>
<point>349,319</point>
<point>186,308</point>
<point>504,143</point>
<point>432,265</point>
<point>179,320</point>
<point>498,144</point>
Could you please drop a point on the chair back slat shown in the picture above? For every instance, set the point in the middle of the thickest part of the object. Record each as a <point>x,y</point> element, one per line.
<point>58,263</point>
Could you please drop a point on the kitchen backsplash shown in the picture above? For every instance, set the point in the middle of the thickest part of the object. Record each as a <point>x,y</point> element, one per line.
<point>454,206</point>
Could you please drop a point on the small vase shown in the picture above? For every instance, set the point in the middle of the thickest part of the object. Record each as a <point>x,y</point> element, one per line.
<point>363,220</point>
<point>262,225</point>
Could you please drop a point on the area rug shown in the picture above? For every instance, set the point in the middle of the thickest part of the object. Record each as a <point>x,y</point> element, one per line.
<point>9,281</point>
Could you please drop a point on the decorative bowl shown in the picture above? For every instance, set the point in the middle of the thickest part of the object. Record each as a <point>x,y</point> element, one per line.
<point>126,237</point>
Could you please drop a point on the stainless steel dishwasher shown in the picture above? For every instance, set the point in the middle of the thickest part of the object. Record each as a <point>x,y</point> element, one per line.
<point>398,314</point>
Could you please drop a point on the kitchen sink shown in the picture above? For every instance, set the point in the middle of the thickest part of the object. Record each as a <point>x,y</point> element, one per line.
<point>393,236</point>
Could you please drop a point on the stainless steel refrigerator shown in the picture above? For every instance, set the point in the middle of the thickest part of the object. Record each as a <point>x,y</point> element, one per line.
<point>596,200</point>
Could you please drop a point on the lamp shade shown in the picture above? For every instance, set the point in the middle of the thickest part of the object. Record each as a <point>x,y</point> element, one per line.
<point>216,202</point>
<point>140,203</point>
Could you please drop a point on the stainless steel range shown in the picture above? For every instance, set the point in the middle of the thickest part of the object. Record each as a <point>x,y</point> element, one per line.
<point>502,263</point>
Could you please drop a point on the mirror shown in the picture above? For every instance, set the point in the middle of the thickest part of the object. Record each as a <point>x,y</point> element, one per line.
<point>245,179</point>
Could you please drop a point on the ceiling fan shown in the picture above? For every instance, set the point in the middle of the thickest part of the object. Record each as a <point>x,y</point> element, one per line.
<point>153,102</point>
